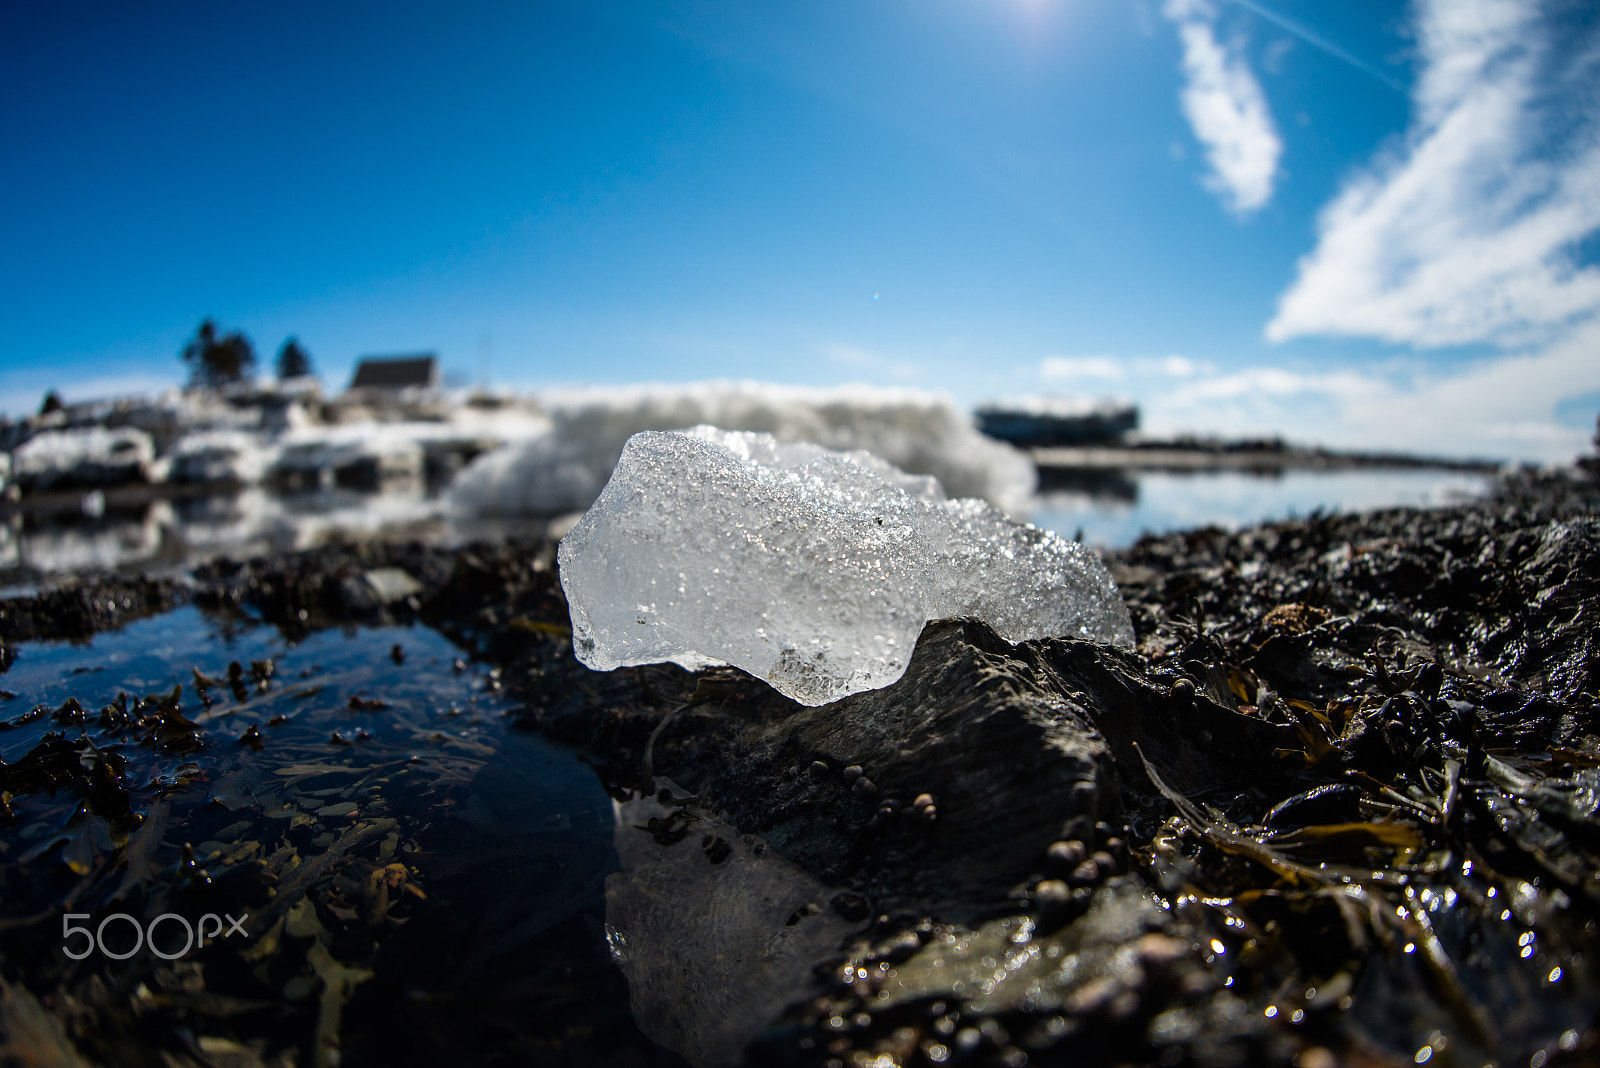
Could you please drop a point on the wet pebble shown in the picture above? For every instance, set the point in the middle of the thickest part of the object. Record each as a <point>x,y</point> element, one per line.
<point>852,773</point>
<point>1159,953</point>
<point>900,948</point>
<point>1054,899</point>
<point>851,905</point>
<point>1085,874</point>
<point>1063,857</point>
<point>1094,996</point>
<point>864,788</point>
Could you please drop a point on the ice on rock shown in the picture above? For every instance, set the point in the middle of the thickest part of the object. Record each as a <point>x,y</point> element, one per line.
<point>812,569</point>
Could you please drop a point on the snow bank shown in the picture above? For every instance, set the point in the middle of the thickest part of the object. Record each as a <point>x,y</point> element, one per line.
<point>87,456</point>
<point>220,456</point>
<point>564,469</point>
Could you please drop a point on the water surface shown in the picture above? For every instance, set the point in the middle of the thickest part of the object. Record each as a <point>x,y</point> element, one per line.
<point>1113,508</point>
<point>416,880</point>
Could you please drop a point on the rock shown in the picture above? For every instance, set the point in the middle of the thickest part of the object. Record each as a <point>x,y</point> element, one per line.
<point>1044,771</point>
<point>372,589</point>
<point>1063,857</point>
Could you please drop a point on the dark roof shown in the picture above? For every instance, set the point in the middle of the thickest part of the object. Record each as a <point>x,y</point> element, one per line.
<point>396,372</point>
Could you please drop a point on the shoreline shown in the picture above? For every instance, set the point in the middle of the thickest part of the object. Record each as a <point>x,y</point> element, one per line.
<point>1198,455</point>
<point>1348,651</point>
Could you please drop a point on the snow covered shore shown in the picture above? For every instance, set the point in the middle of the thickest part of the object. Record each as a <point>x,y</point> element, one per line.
<point>539,454</point>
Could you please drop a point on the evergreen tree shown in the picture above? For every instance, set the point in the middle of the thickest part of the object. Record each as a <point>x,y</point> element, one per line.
<point>216,359</point>
<point>293,360</point>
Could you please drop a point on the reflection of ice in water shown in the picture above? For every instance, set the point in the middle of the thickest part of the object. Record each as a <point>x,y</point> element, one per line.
<point>9,550</point>
<point>249,523</point>
<point>96,545</point>
<point>1168,501</point>
<point>715,931</point>
<point>256,521</point>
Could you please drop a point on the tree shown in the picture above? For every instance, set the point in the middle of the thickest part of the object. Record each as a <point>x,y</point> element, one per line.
<point>217,359</point>
<point>51,402</point>
<point>293,360</point>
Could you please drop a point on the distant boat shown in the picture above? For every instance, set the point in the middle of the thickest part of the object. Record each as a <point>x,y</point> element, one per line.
<point>1038,422</point>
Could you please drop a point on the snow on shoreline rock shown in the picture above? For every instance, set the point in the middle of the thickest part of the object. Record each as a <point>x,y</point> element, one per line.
<point>810,568</point>
<point>86,456</point>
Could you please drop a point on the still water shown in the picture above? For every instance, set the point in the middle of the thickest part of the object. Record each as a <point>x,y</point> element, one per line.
<point>414,880</point>
<point>1113,508</point>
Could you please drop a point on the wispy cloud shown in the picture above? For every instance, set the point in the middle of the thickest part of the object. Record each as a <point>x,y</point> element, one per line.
<point>1074,368</point>
<point>1117,368</point>
<point>1466,232</point>
<point>875,364</point>
<point>1226,109</point>
<point>1316,40</point>
<point>1499,407</point>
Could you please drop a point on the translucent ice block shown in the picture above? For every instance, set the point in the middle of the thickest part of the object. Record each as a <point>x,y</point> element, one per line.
<point>810,568</point>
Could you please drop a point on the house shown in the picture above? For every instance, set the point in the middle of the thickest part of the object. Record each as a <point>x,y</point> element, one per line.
<point>395,373</point>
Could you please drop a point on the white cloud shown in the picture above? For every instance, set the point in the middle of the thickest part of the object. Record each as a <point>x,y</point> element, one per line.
<point>1502,407</point>
<point>1174,366</point>
<point>1066,368</point>
<point>1226,109</point>
<point>865,361</point>
<point>1117,368</point>
<point>1465,232</point>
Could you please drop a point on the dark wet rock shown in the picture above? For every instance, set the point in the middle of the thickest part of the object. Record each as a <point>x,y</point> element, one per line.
<point>986,727</point>
<point>75,612</point>
<point>1328,803</point>
<point>1275,664</point>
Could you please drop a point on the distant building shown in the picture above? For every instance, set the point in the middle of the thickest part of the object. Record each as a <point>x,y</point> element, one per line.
<point>1035,422</point>
<point>397,372</point>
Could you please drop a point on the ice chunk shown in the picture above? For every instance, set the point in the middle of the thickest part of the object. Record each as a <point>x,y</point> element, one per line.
<point>810,568</point>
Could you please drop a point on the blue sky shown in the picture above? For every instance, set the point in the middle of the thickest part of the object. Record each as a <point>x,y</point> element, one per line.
<point>1355,222</point>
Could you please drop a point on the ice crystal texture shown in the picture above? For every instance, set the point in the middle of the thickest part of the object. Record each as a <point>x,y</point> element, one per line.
<point>812,569</point>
